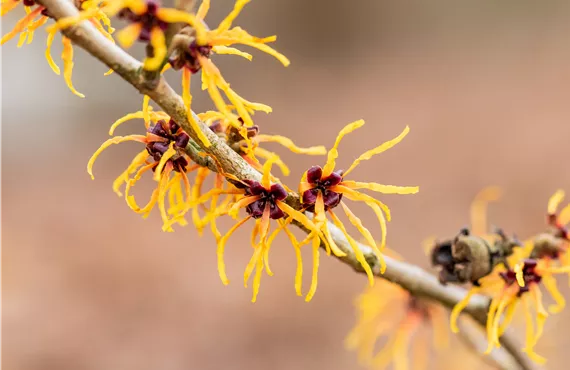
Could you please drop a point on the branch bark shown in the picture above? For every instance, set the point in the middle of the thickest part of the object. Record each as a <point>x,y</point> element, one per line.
<point>412,278</point>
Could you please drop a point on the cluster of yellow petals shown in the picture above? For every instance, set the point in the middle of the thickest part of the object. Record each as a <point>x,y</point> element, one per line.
<point>412,326</point>
<point>351,190</point>
<point>250,148</point>
<point>506,296</point>
<point>174,194</point>
<point>34,19</point>
<point>262,239</point>
<point>177,196</point>
<point>220,39</point>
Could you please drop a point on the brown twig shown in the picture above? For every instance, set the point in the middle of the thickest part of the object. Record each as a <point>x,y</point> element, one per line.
<point>412,278</point>
<point>474,339</point>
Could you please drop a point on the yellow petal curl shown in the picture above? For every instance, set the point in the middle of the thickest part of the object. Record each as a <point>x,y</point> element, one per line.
<point>158,43</point>
<point>67,57</point>
<point>108,143</point>
<point>379,149</point>
<point>288,143</point>
<point>333,152</point>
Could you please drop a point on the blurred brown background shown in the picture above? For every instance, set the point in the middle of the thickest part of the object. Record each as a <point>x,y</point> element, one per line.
<point>87,284</point>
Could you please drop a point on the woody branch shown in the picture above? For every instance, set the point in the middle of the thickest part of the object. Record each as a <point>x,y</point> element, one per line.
<point>220,157</point>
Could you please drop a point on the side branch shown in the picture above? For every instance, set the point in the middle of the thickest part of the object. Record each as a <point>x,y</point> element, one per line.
<point>220,157</point>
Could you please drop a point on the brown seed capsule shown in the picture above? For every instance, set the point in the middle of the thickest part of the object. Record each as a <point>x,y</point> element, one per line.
<point>469,258</point>
<point>551,243</point>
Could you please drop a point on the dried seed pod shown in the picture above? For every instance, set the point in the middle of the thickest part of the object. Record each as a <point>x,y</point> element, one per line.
<point>551,243</point>
<point>468,258</point>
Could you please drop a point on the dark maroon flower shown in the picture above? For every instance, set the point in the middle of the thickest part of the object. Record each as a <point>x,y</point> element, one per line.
<point>217,127</point>
<point>331,198</point>
<point>267,197</point>
<point>235,135</point>
<point>171,132</point>
<point>189,57</point>
<point>148,19</point>
<point>530,276</point>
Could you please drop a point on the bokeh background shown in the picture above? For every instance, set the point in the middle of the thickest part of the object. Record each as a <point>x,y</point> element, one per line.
<point>87,284</point>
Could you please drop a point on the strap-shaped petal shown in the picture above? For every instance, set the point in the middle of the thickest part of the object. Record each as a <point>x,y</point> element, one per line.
<point>67,22</point>
<point>361,197</point>
<point>226,50</point>
<point>158,43</point>
<point>226,23</point>
<point>357,252</point>
<point>333,152</point>
<point>203,9</point>
<point>314,276</point>
<point>380,188</point>
<point>67,57</point>
<point>554,201</point>
<point>221,248</point>
<point>479,206</point>
<point>7,6</point>
<point>459,307</point>
<point>550,284</point>
<point>138,161</point>
<point>49,58</point>
<point>108,143</point>
<point>379,149</point>
<point>22,24</point>
<point>187,98</point>
<point>128,35</point>
<point>169,153</point>
<point>263,153</point>
<point>288,143</point>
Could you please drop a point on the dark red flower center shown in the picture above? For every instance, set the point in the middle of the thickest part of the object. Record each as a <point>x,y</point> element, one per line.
<point>530,276</point>
<point>148,19</point>
<point>322,184</point>
<point>172,132</point>
<point>268,197</point>
<point>189,59</point>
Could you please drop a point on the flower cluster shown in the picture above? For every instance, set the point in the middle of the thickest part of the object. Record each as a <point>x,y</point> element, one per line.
<point>192,182</point>
<point>189,49</point>
<point>166,152</point>
<point>265,201</point>
<point>509,272</point>
<point>192,53</point>
<point>411,325</point>
<point>37,16</point>
<point>165,155</point>
<point>322,189</point>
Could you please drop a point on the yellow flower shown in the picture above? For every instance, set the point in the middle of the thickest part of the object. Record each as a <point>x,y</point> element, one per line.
<point>164,153</point>
<point>409,323</point>
<point>323,189</point>
<point>264,201</point>
<point>508,288</point>
<point>147,19</point>
<point>485,261</point>
<point>195,56</point>
<point>37,17</point>
<point>248,144</point>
